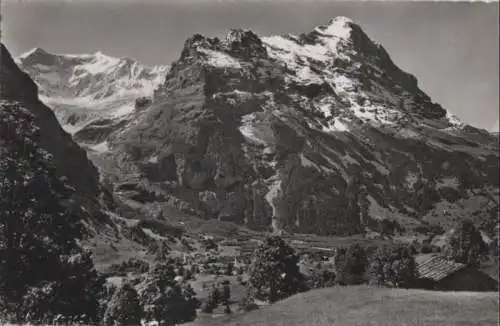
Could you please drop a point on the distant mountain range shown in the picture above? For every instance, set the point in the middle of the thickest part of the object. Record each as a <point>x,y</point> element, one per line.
<point>83,88</point>
<point>313,133</point>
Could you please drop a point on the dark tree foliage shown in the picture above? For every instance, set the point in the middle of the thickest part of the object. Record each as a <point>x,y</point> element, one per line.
<point>142,102</point>
<point>212,301</point>
<point>109,290</point>
<point>466,244</point>
<point>165,299</point>
<point>431,229</point>
<point>393,266</point>
<point>425,196</point>
<point>43,271</point>
<point>322,279</point>
<point>351,265</point>
<point>129,266</point>
<point>124,308</point>
<point>226,294</point>
<point>426,248</point>
<point>248,301</point>
<point>229,269</point>
<point>210,244</point>
<point>388,227</point>
<point>274,274</point>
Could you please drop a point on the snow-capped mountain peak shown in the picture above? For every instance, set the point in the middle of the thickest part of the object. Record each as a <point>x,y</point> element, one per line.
<point>85,87</point>
<point>95,76</point>
<point>338,26</point>
<point>454,121</point>
<point>353,77</point>
<point>34,51</point>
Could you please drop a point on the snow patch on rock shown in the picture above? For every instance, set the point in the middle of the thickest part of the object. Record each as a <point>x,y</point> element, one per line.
<point>454,121</point>
<point>271,196</point>
<point>219,59</point>
<point>101,147</point>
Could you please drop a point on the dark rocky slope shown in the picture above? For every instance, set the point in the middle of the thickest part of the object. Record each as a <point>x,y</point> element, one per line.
<point>71,160</point>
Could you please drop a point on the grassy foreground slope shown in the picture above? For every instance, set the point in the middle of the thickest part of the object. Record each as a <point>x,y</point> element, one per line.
<point>364,305</point>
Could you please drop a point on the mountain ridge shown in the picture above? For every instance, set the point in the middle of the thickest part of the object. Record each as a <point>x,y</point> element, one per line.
<point>316,133</point>
<point>326,153</point>
<point>83,88</point>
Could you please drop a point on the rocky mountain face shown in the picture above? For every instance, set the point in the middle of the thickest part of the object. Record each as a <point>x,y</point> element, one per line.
<point>316,133</point>
<point>89,93</point>
<point>71,160</point>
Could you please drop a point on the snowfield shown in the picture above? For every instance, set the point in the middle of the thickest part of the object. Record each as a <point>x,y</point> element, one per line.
<point>82,88</point>
<point>218,59</point>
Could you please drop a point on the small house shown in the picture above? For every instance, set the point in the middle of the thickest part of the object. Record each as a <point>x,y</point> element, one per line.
<point>439,273</point>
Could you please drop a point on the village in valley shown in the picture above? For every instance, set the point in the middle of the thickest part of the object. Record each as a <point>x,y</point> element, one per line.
<point>218,268</point>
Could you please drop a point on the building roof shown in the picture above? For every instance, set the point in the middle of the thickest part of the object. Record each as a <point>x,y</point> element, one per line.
<point>436,267</point>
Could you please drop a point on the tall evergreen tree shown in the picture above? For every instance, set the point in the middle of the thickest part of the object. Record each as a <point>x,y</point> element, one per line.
<point>124,308</point>
<point>274,274</point>
<point>40,259</point>
<point>166,300</point>
<point>466,244</point>
<point>393,266</point>
<point>351,264</point>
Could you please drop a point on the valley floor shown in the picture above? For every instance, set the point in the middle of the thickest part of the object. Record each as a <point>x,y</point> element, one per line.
<point>365,305</point>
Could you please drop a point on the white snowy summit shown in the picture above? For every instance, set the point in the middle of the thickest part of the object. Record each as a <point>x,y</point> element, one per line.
<point>84,87</point>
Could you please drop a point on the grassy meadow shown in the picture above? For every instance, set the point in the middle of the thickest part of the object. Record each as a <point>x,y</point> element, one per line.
<point>370,306</point>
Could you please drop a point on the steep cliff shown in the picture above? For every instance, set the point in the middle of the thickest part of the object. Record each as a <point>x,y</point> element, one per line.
<point>71,161</point>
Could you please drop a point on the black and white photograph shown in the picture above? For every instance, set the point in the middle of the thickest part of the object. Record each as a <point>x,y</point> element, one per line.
<point>249,163</point>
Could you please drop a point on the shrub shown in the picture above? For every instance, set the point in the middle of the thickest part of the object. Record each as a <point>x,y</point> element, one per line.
<point>248,301</point>
<point>322,279</point>
<point>432,229</point>
<point>129,266</point>
<point>466,244</point>
<point>274,274</point>
<point>388,227</point>
<point>436,229</point>
<point>426,248</point>
<point>423,229</point>
<point>393,266</point>
<point>124,308</point>
<point>351,265</point>
<point>229,269</point>
<point>226,293</point>
<point>210,244</point>
<point>212,301</point>
<point>164,299</point>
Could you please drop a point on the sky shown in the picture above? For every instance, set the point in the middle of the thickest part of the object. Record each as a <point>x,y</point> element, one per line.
<point>452,48</point>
